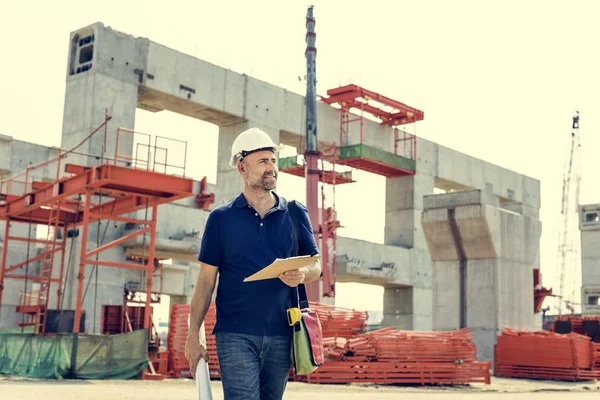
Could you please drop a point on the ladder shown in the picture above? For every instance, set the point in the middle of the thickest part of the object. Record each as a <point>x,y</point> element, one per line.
<point>47,263</point>
<point>568,236</point>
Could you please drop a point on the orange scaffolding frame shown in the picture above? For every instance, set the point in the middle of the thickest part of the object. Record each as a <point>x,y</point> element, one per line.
<point>59,205</point>
<point>329,222</point>
<point>353,103</point>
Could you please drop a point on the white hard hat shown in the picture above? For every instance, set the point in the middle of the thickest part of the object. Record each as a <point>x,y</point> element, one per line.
<point>250,141</point>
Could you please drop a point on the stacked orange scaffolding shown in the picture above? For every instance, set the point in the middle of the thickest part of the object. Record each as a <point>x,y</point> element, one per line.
<point>384,356</point>
<point>546,355</point>
<point>176,338</point>
<point>340,322</point>
<point>389,356</point>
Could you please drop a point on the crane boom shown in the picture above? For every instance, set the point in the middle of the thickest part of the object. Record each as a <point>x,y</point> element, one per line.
<point>568,239</point>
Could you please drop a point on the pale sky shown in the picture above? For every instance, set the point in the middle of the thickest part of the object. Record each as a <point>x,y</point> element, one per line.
<point>498,80</point>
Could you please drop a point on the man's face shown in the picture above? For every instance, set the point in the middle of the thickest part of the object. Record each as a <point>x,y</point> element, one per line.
<point>260,170</point>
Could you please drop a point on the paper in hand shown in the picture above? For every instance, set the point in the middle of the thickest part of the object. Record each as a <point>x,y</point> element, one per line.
<point>281,265</point>
<point>203,381</point>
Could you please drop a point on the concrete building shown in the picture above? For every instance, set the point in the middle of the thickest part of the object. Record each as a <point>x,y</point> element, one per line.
<point>589,225</point>
<point>464,258</point>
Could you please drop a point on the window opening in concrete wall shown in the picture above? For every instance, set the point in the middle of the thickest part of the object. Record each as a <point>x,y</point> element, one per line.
<point>592,217</point>
<point>86,54</point>
<point>82,51</point>
<point>161,312</point>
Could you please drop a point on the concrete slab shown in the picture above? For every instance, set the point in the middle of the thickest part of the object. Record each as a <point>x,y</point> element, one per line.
<point>463,198</point>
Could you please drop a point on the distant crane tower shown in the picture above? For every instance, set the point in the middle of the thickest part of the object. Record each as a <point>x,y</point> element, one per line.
<point>568,237</point>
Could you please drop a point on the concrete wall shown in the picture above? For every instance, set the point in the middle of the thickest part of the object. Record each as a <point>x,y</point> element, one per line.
<point>589,225</point>
<point>5,153</point>
<point>111,85</point>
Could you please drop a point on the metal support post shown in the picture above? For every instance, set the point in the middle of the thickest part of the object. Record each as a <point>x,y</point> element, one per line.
<point>4,254</point>
<point>81,274</point>
<point>150,269</point>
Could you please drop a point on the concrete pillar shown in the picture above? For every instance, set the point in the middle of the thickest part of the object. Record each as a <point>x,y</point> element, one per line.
<point>398,307</point>
<point>483,261</point>
<point>403,207</point>
<point>102,75</point>
<point>409,307</point>
<point>229,183</point>
<point>446,296</point>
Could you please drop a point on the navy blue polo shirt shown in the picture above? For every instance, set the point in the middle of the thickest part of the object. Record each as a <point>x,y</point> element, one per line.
<point>239,242</point>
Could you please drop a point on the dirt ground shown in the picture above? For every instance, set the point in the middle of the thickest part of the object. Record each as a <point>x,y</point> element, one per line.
<point>175,389</point>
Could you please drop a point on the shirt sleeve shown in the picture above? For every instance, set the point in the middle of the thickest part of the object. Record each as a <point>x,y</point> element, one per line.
<point>306,239</point>
<point>210,246</point>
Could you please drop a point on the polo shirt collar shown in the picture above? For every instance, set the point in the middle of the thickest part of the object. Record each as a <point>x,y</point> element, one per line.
<point>281,204</point>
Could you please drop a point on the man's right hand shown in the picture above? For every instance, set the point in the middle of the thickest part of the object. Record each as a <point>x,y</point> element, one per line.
<point>194,351</point>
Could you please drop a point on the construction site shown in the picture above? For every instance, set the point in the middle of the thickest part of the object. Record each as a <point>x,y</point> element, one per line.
<point>96,232</point>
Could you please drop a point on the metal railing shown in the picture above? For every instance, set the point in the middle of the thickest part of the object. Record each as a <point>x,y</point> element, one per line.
<point>151,153</point>
<point>145,156</point>
<point>30,298</point>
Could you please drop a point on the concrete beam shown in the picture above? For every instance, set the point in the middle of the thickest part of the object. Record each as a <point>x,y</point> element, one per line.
<point>366,262</point>
<point>165,79</point>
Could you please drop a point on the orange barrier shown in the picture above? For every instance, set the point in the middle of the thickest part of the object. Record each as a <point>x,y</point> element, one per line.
<point>546,355</point>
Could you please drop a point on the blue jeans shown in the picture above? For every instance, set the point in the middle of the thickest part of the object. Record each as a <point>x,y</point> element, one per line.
<point>253,367</point>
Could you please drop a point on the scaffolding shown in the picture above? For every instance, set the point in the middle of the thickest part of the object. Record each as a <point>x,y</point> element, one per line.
<point>83,195</point>
<point>354,102</point>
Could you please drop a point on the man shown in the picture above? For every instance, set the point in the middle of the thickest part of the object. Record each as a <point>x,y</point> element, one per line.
<point>240,238</point>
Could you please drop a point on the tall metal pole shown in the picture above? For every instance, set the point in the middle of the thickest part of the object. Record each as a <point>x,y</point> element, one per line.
<point>311,154</point>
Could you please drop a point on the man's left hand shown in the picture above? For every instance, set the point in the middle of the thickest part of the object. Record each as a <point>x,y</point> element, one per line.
<point>293,278</point>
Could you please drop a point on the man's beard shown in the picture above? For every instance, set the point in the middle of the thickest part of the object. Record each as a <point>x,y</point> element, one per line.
<point>266,182</point>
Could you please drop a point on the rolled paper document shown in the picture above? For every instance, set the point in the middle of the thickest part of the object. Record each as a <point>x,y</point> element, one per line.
<point>203,381</point>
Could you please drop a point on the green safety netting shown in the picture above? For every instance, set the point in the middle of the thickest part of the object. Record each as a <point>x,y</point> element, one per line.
<point>73,355</point>
<point>287,162</point>
<point>362,150</point>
